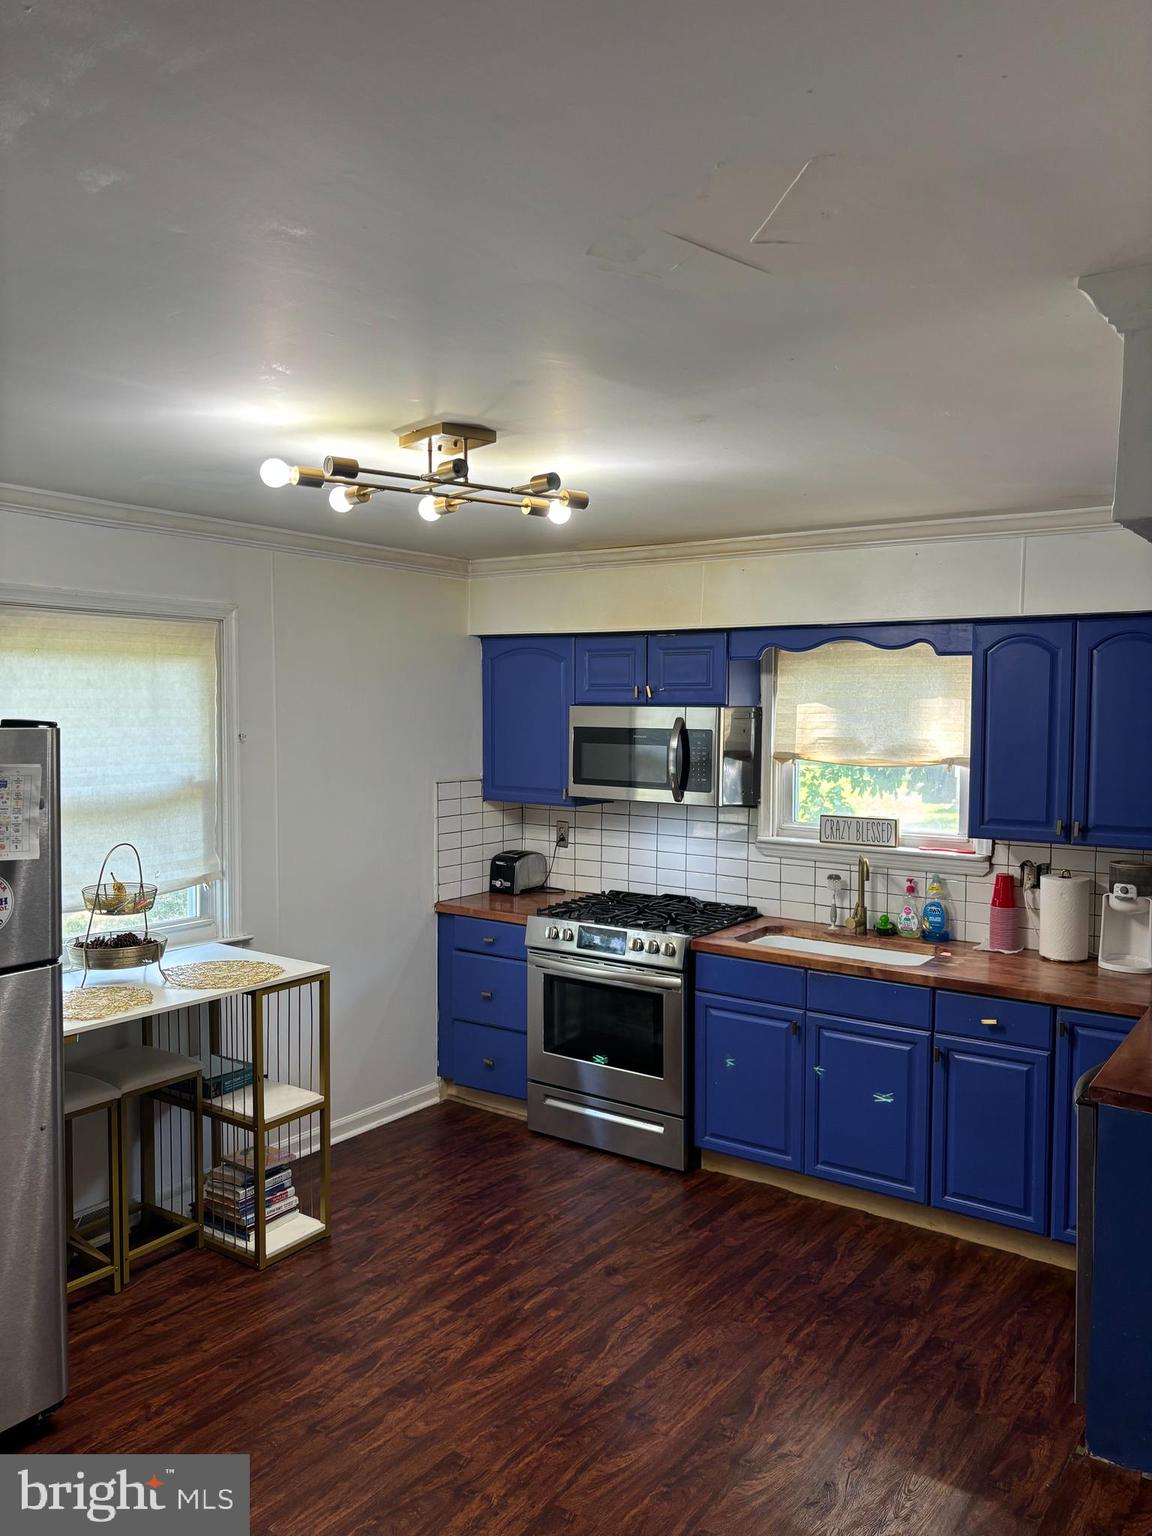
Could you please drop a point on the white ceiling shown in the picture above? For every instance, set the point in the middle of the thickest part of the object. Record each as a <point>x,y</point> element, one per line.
<point>289,227</point>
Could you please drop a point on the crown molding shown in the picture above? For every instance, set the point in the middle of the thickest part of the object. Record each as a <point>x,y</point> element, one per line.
<point>29,501</point>
<point>114,514</point>
<point>936,530</point>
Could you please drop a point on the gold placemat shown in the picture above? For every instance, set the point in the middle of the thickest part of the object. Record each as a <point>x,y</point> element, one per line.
<point>222,973</point>
<point>84,1005</point>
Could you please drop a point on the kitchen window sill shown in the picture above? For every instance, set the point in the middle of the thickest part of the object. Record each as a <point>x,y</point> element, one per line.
<point>903,859</point>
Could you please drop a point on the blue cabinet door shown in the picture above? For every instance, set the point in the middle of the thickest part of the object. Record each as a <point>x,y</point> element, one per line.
<point>749,1078</point>
<point>527,691</point>
<point>1022,731</point>
<point>611,669</point>
<point>1111,785</point>
<point>689,668</point>
<point>1083,1040</point>
<point>990,1132</point>
<point>866,1105</point>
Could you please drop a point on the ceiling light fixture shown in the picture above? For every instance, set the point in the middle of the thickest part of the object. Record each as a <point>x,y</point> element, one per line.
<point>540,496</point>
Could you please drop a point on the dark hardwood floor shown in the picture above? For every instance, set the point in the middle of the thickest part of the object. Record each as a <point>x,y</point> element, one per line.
<point>510,1335</point>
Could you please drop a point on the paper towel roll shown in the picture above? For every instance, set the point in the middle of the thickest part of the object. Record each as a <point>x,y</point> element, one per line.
<point>1065,916</point>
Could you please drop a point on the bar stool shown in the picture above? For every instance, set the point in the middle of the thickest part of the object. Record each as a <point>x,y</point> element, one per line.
<point>149,1075</point>
<point>85,1095</point>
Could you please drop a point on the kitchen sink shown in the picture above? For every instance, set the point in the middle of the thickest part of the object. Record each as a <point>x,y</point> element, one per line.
<point>868,954</point>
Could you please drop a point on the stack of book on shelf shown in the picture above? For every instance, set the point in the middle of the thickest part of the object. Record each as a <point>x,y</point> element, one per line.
<point>230,1193</point>
<point>223,1075</point>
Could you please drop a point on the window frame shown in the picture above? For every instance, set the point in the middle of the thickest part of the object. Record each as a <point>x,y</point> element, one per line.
<point>776,832</point>
<point>219,901</point>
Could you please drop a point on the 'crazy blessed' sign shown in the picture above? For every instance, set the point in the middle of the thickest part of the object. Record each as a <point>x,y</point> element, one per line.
<point>860,831</point>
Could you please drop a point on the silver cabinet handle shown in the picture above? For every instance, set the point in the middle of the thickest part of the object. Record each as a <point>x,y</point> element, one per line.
<point>648,690</point>
<point>488,1062</point>
<point>1075,829</point>
<point>487,941</point>
<point>1059,826</point>
<point>635,690</point>
<point>487,996</point>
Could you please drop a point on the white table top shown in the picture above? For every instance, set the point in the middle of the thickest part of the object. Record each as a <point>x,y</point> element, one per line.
<point>165,999</point>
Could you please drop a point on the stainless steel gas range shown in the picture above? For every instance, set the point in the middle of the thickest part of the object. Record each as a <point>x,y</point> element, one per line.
<point>609,980</point>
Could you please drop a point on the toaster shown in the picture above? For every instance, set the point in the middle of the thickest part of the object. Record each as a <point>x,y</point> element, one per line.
<point>516,870</point>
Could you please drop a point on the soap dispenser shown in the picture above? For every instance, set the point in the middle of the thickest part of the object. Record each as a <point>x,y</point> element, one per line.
<point>909,920</point>
<point>934,917</point>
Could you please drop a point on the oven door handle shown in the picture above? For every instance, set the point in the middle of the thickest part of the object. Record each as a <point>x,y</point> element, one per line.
<point>678,758</point>
<point>589,970</point>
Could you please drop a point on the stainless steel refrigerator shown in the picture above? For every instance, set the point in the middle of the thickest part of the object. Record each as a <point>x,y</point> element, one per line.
<point>34,1375</point>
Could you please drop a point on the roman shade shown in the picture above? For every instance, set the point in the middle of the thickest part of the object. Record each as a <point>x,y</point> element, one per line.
<point>847,702</point>
<point>135,699</point>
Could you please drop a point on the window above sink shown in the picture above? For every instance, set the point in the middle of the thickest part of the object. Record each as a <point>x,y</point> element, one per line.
<point>855,730</point>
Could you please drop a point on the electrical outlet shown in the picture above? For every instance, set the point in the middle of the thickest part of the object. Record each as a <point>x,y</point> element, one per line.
<point>561,834</point>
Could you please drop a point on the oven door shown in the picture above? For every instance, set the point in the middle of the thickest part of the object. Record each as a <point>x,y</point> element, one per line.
<point>610,1030</point>
<point>620,753</point>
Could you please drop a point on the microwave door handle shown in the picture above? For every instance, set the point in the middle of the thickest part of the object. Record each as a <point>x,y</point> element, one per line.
<point>678,758</point>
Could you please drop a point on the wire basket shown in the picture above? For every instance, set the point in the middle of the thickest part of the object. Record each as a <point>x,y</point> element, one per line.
<point>118,957</point>
<point>113,898</point>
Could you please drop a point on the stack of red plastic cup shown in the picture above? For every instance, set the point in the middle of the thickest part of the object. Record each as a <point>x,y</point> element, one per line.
<point>1003,916</point>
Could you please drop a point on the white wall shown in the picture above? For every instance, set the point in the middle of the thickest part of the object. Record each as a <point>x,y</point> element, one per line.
<point>850,578</point>
<point>357,683</point>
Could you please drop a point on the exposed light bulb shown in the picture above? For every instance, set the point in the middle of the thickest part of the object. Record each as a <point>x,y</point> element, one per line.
<point>559,512</point>
<point>275,473</point>
<point>344,497</point>
<point>428,509</point>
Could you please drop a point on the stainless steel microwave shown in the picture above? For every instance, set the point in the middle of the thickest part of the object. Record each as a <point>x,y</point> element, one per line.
<point>697,756</point>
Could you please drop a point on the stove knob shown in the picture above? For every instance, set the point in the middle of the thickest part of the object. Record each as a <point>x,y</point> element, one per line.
<point>653,946</point>
<point>552,932</point>
<point>636,944</point>
<point>568,934</point>
<point>669,948</point>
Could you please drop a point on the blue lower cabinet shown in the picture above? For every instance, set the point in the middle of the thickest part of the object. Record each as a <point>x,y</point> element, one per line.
<point>1083,1040</point>
<point>490,991</point>
<point>866,1105</point>
<point>990,1132</point>
<point>493,1059</point>
<point>749,1080</point>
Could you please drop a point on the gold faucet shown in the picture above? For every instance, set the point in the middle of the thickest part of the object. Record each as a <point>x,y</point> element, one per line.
<point>858,923</point>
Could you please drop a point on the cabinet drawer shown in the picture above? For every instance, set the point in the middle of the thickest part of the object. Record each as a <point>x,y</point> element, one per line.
<point>490,991</point>
<point>493,1059</point>
<point>506,939</point>
<point>887,1002</point>
<point>994,1019</point>
<point>758,981</point>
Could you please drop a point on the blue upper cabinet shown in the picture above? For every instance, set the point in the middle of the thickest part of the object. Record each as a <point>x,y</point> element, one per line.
<point>688,668</point>
<point>1022,730</point>
<point>528,685</point>
<point>1112,786</point>
<point>611,669</point>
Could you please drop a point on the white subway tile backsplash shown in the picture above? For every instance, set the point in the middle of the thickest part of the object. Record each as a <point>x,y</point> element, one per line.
<point>705,847</point>
<point>731,832</point>
<point>713,854</point>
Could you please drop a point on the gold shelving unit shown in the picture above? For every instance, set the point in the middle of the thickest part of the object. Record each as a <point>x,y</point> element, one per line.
<point>267,1100</point>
